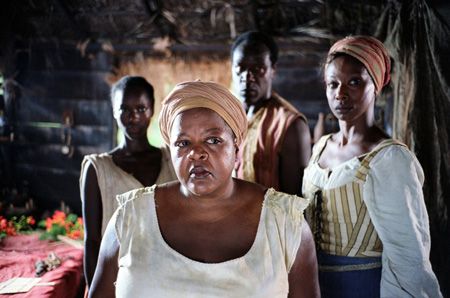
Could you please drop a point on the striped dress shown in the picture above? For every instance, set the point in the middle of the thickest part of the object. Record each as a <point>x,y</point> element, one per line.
<point>342,218</point>
<point>366,213</point>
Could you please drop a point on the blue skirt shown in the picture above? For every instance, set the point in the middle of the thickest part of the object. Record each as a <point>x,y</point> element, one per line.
<point>349,277</point>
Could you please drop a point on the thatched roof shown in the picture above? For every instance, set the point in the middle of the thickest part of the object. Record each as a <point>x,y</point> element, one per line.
<point>184,21</point>
<point>180,25</point>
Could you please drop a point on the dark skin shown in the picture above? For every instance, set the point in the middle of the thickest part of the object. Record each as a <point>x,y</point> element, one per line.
<point>253,72</point>
<point>294,156</point>
<point>135,156</point>
<point>207,203</point>
<point>351,97</point>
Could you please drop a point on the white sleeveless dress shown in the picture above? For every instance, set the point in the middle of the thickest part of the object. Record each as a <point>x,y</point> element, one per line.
<point>113,181</point>
<point>149,267</point>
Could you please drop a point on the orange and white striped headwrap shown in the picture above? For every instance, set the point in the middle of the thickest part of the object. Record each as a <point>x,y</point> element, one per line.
<point>370,52</point>
<point>197,94</point>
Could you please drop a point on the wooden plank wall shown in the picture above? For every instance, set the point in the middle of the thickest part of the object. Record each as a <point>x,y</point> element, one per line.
<point>56,80</point>
<point>299,79</point>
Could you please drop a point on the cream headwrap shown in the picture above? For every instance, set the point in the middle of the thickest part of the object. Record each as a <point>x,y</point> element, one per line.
<point>370,52</point>
<point>190,95</point>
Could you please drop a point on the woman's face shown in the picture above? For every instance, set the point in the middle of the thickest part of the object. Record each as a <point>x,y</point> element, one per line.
<point>350,89</point>
<point>133,112</point>
<point>203,151</point>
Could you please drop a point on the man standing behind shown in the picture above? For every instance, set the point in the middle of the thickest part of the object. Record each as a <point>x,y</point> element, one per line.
<point>278,144</point>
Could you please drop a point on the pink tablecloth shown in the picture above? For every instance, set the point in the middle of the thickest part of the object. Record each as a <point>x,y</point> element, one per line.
<point>18,254</point>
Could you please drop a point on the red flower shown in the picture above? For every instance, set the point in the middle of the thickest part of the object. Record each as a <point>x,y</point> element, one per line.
<point>3,223</point>
<point>62,223</point>
<point>30,220</point>
<point>59,217</point>
<point>10,230</point>
<point>76,234</point>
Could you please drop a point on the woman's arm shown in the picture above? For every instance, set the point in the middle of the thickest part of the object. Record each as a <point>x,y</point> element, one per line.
<point>294,156</point>
<point>394,198</point>
<point>107,266</point>
<point>92,217</point>
<point>303,277</point>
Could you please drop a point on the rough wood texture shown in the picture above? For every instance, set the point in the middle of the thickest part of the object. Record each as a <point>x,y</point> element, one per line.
<point>54,83</point>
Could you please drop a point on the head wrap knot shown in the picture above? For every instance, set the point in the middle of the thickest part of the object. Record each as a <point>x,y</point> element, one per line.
<point>370,52</point>
<point>190,95</point>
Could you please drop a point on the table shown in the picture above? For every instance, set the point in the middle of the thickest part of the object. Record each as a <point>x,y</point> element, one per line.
<point>18,255</point>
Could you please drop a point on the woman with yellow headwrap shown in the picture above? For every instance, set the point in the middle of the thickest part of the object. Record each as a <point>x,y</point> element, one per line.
<point>208,234</point>
<point>367,209</point>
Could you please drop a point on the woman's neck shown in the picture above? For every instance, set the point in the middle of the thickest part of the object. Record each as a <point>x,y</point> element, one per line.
<point>356,132</point>
<point>134,146</point>
<point>212,207</point>
<point>219,196</point>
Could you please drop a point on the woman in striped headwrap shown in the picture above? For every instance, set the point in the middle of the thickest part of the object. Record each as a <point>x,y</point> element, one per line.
<point>367,208</point>
<point>208,234</point>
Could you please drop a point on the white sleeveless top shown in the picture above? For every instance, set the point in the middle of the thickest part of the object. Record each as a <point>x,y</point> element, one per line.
<point>113,181</point>
<point>149,267</point>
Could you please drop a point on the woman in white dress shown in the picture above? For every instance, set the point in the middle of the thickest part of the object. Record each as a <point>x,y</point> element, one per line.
<point>132,164</point>
<point>208,234</point>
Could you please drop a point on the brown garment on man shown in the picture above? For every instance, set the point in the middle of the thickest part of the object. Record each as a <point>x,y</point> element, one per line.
<point>259,154</point>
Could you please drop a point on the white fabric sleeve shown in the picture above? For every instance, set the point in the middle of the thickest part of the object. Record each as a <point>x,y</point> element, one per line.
<point>125,213</point>
<point>293,230</point>
<point>394,198</point>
